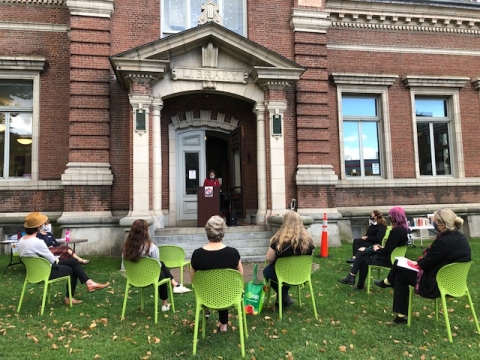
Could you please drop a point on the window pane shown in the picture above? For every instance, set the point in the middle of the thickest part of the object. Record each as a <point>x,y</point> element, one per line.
<point>20,163</point>
<point>16,93</point>
<point>351,148</point>
<point>359,106</point>
<point>195,11</point>
<point>424,150</point>
<point>431,107</point>
<point>442,157</point>
<point>191,177</point>
<point>233,15</point>
<point>370,148</point>
<point>175,16</point>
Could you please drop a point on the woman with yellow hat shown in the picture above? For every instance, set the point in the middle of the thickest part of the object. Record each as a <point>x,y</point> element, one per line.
<point>29,245</point>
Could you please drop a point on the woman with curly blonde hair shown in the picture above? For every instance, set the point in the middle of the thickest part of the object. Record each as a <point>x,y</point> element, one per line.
<point>291,239</point>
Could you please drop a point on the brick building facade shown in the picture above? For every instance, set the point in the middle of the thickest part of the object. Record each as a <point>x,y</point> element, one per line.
<point>112,110</point>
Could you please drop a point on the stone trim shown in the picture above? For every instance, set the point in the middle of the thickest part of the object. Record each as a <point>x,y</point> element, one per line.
<point>459,18</point>
<point>205,119</point>
<point>21,26</point>
<point>91,8</point>
<point>316,175</point>
<point>35,2</point>
<point>310,21</point>
<point>24,63</point>
<point>456,82</point>
<point>476,83</point>
<point>405,50</point>
<point>363,79</point>
<point>402,183</point>
<point>30,185</point>
<point>87,174</point>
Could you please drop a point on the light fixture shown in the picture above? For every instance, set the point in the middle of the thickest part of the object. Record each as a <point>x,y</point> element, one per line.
<point>140,122</point>
<point>276,126</point>
<point>24,141</point>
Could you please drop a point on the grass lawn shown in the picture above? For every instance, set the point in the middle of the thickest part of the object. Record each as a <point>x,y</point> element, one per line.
<point>351,324</point>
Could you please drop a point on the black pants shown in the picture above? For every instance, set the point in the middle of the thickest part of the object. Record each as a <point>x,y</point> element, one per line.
<point>358,243</point>
<point>401,278</point>
<point>361,265</point>
<point>72,268</point>
<point>163,289</point>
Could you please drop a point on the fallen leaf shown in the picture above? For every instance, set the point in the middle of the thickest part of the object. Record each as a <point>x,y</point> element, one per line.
<point>342,348</point>
<point>54,346</point>
<point>50,335</point>
<point>284,331</point>
<point>97,356</point>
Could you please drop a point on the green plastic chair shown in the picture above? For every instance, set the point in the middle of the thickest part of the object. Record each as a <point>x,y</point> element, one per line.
<point>38,270</point>
<point>387,234</point>
<point>219,289</point>
<point>452,281</point>
<point>294,271</point>
<point>141,274</point>
<point>173,257</point>
<point>399,251</point>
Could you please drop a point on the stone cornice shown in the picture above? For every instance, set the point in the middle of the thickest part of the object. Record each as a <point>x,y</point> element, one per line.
<point>434,81</point>
<point>404,16</point>
<point>276,78</point>
<point>363,79</point>
<point>91,8</point>
<point>309,21</point>
<point>24,63</point>
<point>127,69</point>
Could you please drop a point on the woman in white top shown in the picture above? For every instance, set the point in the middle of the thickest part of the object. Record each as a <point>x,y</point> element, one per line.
<point>29,246</point>
<point>139,244</point>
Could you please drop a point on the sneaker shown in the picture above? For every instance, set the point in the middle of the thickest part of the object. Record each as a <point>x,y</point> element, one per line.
<point>180,289</point>
<point>400,320</point>
<point>166,308</point>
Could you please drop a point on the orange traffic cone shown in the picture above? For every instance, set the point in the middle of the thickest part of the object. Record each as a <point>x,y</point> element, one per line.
<point>324,243</point>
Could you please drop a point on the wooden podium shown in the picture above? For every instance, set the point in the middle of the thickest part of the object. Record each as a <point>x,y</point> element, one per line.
<point>207,206</point>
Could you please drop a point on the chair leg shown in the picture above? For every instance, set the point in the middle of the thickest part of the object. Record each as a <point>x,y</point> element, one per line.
<point>313,299</point>
<point>280,300</point>
<point>181,274</point>
<point>369,275</point>
<point>142,303</point>
<point>45,295</point>
<point>195,330</point>
<point>155,295</point>
<point>69,285</point>
<point>244,314</point>
<point>268,293</point>
<point>125,298</point>
<point>240,310</point>
<point>436,309</point>
<point>445,314</point>
<point>21,296</point>
<point>170,293</point>
<point>410,300</point>
<point>474,315</point>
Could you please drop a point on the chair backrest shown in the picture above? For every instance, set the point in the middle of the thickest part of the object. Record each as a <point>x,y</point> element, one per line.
<point>171,255</point>
<point>144,272</point>
<point>38,269</point>
<point>218,288</point>
<point>398,251</point>
<point>452,278</point>
<point>387,234</point>
<point>294,270</point>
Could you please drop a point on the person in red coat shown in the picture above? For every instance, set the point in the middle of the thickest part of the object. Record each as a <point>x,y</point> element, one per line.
<point>211,180</point>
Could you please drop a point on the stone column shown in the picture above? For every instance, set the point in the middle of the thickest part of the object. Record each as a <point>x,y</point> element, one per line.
<point>157,213</point>
<point>261,164</point>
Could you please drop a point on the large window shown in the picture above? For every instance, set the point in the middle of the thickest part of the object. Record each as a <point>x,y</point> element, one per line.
<point>16,128</point>
<point>432,117</point>
<point>361,129</point>
<point>180,15</point>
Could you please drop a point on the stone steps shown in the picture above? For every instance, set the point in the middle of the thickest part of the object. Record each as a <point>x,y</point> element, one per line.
<point>251,241</point>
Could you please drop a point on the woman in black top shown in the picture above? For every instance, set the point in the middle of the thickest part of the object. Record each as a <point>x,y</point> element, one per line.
<point>449,246</point>
<point>380,255</point>
<point>291,239</point>
<point>216,255</point>
<point>375,234</point>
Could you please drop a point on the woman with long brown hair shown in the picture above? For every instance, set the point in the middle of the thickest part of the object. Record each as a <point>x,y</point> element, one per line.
<point>291,239</point>
<point>139,244</point>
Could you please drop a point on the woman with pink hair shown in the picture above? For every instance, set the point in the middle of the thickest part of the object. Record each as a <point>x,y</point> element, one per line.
<point>379,255</point>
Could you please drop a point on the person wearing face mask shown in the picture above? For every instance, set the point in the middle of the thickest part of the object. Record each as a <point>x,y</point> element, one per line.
<point>211,180</point>
<point>63,251</point>
<point>375,234</point>
<point>449,246</point>
<point>380,255</point>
